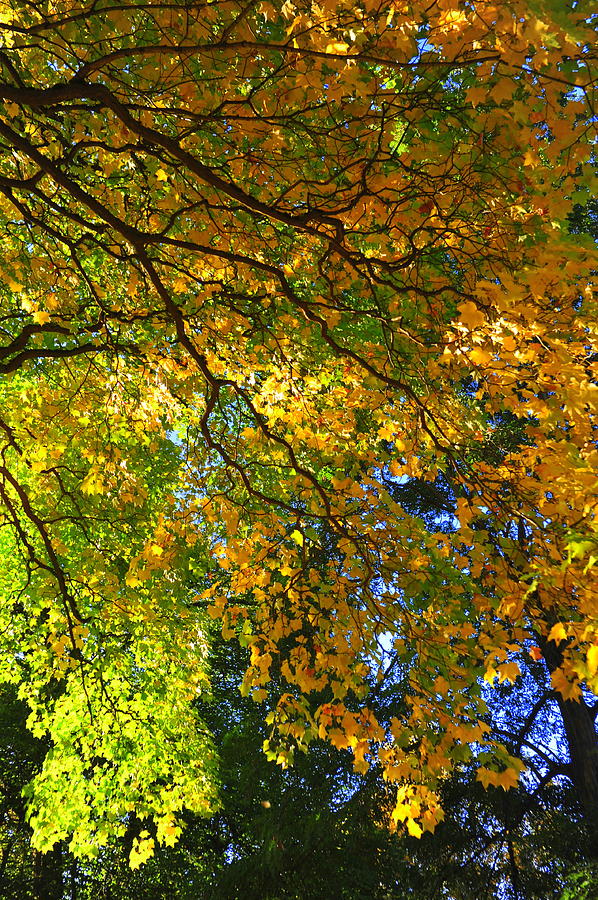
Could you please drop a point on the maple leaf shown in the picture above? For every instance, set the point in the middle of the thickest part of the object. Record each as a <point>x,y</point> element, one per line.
<point>558,633</point>
<point>567,687</point>
<point>470,315</point>
<point>414,829</point>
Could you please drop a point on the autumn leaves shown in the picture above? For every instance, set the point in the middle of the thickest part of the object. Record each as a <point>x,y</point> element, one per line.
<point>262,266</point>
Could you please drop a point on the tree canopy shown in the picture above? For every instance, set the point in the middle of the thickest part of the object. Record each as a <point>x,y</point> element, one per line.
<point>294,337</point>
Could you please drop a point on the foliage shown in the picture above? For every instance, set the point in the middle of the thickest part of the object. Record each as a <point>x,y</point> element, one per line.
<point>294,832</point>
<point>582,885</point>
<point>262,266</point>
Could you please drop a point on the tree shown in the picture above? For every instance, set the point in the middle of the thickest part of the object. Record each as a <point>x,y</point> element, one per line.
<point>23,873</point>
<point>294,832</point>
<point>261,266</point>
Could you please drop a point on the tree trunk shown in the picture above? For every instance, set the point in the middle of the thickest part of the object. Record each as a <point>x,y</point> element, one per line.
<point>582,740</point>
<point>47,874</point>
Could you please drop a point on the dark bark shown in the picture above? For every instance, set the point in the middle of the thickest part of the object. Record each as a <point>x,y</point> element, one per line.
<point>582,740</point>
<point>47,874</point>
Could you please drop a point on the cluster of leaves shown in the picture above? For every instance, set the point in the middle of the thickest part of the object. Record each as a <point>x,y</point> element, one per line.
<point>262,267</point>
<point>293,833</point>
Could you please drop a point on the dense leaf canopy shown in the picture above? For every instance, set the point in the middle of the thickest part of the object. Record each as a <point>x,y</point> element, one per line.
<point>293,335</point>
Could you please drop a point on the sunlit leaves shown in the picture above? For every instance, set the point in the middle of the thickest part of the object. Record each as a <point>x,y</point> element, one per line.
<point>264,271</point>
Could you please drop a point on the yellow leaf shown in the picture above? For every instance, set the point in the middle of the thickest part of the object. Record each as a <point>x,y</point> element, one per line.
<point>479,356</point>
<point>503,90</point>
<point>441,685</point>
<point>592,658</point>
<point>530,158</point>
<point>477,94</point>
<point>386,432</point>
<point>486,776</point>
<point>506,779</point>
<point>339,739</point>
<point>143,848</point>
<point>337,48</point>
<point>452,18</point>
<point>41,316</point>
<point>168,831</point>
<point>508,672</point>
<point>414,829</point>
<point>569,690</point>
<point>470,315</point>
<point>490,674</point>
<point>513,607</point>
<point>557,633</point>
<point>297,537</point>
